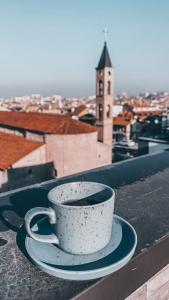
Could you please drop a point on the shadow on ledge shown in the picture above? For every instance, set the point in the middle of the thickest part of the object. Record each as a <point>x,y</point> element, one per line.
<point>12,215</point>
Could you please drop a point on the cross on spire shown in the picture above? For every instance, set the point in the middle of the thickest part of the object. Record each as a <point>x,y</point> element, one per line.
<point>105,32</point>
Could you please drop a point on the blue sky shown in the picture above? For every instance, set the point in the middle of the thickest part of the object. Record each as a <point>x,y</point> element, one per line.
<point>52,47</point>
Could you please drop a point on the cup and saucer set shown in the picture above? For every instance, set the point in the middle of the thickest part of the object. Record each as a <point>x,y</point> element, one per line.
<point>80,238</point>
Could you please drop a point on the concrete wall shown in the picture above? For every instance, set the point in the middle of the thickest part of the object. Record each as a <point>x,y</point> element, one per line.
<point>75,153</point>
<point>72,153</point>
<point>32,168</point>
<point>34,158</point>
<point>3,178</point>
<point>104,156</point>
<point>156,288</point>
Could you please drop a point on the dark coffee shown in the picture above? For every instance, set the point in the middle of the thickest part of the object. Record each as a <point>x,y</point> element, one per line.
<point>90,200</point>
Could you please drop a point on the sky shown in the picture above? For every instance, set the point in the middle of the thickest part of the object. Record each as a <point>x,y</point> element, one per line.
<point>52,47</point>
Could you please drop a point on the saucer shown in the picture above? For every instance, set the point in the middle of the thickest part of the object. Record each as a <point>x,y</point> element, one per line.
<point>56,262</point>
<point>52,254</point>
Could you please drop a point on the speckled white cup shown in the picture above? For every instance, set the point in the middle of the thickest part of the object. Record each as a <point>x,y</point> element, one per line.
<point>76,229</point>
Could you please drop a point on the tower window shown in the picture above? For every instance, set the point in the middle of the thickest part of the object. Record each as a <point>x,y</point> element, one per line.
<point>109,73</point>
<point>109,88</point>
<point>108,111</point>
<point>100,88</point>
<point>100,112</point>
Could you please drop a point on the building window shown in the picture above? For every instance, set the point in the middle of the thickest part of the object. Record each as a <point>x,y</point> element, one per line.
<point>100,88</point>
<point>109,73</point>
<point>55,172</point>
<point>100,112</point>
<point>109,88</point>
<point>108,111</point>
<point>30,172</point>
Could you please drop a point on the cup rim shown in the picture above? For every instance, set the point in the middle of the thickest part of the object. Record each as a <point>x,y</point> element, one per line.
<point>78,206</point>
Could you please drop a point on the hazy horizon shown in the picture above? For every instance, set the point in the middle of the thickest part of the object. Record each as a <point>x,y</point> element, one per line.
<point>32,92</point>
<point>53,48</point>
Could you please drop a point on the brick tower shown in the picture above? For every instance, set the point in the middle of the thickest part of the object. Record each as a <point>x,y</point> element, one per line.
<point>104,97</point>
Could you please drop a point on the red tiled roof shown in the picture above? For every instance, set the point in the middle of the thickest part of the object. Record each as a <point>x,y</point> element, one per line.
<point>79,109</point>
<point>121,121</point>
<point>13,148</point>
<point>45,123</point>
<point>141,105</point>
<point>128,114</point>
<point>149,113</point>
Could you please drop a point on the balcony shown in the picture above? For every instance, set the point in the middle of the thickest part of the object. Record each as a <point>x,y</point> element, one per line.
<point>142,198</point>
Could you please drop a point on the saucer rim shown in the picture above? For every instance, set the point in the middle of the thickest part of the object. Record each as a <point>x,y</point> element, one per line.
<point>95,273</point>
<point>97,257</point>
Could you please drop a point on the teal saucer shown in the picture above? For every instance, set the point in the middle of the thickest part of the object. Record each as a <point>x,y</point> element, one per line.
<point>52,254</point>
<point>56,262</point>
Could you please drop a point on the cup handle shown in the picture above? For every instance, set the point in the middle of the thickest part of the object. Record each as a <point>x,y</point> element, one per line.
<point>51,238</point>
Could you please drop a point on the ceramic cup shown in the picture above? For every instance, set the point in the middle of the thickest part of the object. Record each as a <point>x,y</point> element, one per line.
<point>82,228</point>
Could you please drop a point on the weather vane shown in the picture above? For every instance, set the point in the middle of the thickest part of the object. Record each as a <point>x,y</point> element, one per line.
<point>105,32</point>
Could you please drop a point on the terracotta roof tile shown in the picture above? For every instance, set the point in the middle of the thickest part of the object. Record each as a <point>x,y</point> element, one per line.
<point>45,123</point>
<point>141,105</point>
<point>13,148</point>
<point>79,110</point>
<point>121,121</point>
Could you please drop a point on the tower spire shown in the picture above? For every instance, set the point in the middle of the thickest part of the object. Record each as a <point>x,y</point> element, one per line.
<point>105,60</point>
<point>104,99</point>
